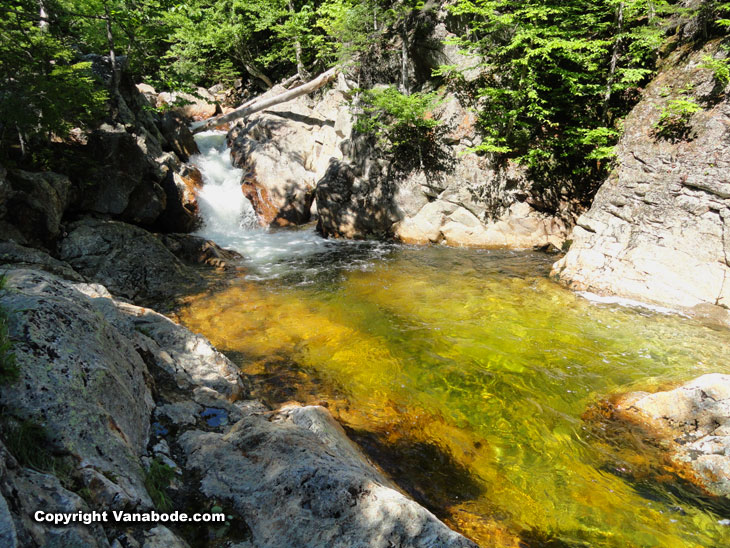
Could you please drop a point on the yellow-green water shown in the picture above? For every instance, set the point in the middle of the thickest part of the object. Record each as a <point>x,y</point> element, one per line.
<point>465,374</point>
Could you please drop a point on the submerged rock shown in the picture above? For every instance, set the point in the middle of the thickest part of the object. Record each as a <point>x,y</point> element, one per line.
<point>659,228</point>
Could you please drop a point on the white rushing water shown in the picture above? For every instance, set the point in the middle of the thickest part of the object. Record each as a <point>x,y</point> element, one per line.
<point>229,218</point>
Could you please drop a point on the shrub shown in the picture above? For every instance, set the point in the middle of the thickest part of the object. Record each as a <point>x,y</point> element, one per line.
<point>401,122</point>
<point>673,123</point>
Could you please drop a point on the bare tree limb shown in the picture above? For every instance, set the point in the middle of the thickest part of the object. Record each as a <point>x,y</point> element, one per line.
<point>249,108</point>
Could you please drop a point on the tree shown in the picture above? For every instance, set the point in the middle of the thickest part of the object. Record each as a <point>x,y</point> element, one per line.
<point>45,90</point>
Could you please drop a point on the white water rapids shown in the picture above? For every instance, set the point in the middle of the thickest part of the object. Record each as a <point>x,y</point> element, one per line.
<point>228,217</point>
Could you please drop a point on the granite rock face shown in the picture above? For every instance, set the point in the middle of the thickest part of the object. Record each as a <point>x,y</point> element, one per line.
<point>128,260</point>
<point>659,228</point>
<point>32,205</point>
<point>298,481</point>
<point>285,150</point>
<point>463,200</point>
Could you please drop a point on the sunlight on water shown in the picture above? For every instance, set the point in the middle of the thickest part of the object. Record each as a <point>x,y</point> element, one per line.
<point>465,374</point>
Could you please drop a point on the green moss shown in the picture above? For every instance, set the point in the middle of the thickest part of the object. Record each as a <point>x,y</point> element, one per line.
<point>158,479</point>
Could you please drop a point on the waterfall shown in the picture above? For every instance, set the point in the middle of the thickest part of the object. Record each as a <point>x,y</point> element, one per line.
<point>228,218</point>
<point>225,211</point>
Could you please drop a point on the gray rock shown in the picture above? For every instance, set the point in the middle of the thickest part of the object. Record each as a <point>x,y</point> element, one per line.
<point>32,491</point>
<point>284,151</point>
<point>692,423</point>
<point>162,537</point>
<point>34,204</point>
<point>128,260</point>
<point>8,536</point>
<point>296,480</point>
<point>79,377</point>
<point>659,227</point>
<point>466,201</point>
<point>17,255</point>
<point>178,136</point>
<point>195,250</point>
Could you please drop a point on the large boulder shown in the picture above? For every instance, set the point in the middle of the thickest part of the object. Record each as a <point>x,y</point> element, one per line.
<point>659,228</point>
<point>128,260</point>
<point>32,205</point>
<point>284,151</point>
<point>296,480</point>
<point>120,177</point>
<point>181,192</point>
<point>82,380</point>
<point>196,107</point>
<point>690,425</point>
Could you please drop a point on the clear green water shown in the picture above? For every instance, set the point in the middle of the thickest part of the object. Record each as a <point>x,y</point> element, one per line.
<point>465,374</point>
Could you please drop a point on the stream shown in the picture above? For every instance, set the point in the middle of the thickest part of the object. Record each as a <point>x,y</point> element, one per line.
<point>465,374</point>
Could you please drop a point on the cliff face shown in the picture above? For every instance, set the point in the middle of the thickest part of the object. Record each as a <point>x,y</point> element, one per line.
<point>307,150</point>
<point>659,228</point>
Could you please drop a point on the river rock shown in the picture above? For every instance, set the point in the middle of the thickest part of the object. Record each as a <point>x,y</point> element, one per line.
<point>126,259</point>
<point>296,480</point>
<point>659,228</point>
<point>178,136</point>
<point>284,151</point>
<point>181,188</point>
<point>17,255</point>
<point>692,424</point>
<point>76,369</point>
<point>194,250</point>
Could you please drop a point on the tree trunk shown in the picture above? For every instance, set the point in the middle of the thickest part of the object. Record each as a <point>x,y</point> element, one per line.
<point>614,59</point>
<point>42,16</point>
<point>112,52</point>
<point>303,74</point>
<point>252,107</point>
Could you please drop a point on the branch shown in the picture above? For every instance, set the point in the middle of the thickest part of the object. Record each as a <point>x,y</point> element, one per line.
<point>247,109</point>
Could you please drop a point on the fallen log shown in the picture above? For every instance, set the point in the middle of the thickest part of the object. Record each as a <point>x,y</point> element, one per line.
<point>249,108</point>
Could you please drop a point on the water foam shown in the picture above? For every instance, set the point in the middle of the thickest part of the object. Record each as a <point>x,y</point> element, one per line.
<point>228,218</point>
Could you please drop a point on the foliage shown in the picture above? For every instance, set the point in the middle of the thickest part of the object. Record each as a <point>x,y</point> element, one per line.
<point>45,88</point>
<point>559,76</point>
<point>720,69</point>
<point>402,123</point>
<point>673,123</point>
<point>157,480</point>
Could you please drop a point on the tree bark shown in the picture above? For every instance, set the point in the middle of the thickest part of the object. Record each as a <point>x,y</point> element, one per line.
<point>247,109</point>
<point>112,52</point>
